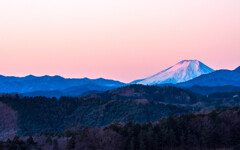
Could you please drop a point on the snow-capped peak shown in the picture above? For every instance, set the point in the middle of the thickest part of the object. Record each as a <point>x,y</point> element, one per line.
<point>183,71</point>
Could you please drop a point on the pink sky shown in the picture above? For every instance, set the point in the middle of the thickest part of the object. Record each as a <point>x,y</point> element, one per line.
<point>122,40</point>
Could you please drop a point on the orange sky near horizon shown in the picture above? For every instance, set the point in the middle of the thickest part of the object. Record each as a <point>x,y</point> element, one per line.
<point>122,40</point>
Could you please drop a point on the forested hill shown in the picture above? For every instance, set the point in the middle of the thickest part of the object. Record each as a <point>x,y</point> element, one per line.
<point>168,94</point>
<point>41,114</point>
<point>213,131</point>
<point>136,103</point>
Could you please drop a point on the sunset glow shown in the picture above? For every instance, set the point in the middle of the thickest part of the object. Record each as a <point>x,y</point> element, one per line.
<point>122,40</point>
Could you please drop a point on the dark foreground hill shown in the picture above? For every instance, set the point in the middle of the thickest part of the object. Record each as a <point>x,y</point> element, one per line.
<point>136,103</point>
<point>213,131</point>
<point>168,94</point>
<point>41,114</point>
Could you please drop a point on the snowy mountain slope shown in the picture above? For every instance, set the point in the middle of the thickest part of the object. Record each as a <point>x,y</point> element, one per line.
<point>183,71</point>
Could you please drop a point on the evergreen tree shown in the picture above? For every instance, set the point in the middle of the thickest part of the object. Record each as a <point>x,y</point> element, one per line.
<point>142,139</point>
<point>132,144</point>
<point>171,138</point>
<point>1,145</point>
<point>71,143</point>
<point>30,140</point>
<point>49,140</point>
<point>55,144</point>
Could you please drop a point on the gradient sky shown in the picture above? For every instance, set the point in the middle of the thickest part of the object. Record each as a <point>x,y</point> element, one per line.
<point>123,40</point>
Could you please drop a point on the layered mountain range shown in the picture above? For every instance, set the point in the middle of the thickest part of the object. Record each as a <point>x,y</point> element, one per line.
<point>197,77</point>
<point>99,102</point>
<point>136,103</point>
<point>189,74</point>
<point>55,86</point>
<point>216,78</point>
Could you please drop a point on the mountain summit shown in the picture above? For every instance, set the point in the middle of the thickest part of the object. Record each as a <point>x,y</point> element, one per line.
<point>183,71</point>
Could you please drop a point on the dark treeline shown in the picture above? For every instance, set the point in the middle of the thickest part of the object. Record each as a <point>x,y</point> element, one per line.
<point>215,130</point>
<point>218,129</point>
<point>41,114</point>
<point>89,123</point>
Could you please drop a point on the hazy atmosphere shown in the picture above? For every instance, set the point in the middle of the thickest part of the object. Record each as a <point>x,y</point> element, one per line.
<point>122,40</point>
<point>119,75</point>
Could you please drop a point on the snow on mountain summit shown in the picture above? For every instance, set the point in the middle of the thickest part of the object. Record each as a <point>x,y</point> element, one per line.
<point>183,71</point>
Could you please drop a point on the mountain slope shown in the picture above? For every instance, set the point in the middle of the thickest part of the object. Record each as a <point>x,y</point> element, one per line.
<point>205,90</point>
<point>74,91</point>
<point>8,121</point>
<point>136,103</point>
<point>41,114</point>
<point>52,83</point>
<point>181,72</point>
<point>140,93</point>
<point>217,78</point>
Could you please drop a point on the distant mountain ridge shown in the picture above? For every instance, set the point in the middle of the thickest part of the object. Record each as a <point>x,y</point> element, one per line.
<point>74,91</point>
<point>188,74</point>
<point>237,69</point>
<point>206,90</point>
<point>183,71</point>
<point>50,84</point>
<point>216,78</point>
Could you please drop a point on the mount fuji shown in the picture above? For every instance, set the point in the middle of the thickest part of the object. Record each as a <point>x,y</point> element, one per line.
<point>183,71</point>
